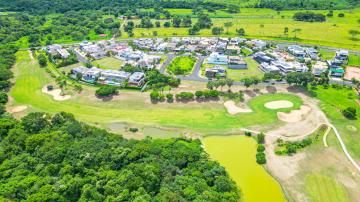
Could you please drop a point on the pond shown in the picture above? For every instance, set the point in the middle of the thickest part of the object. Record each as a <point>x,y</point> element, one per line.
<point>237,155</point>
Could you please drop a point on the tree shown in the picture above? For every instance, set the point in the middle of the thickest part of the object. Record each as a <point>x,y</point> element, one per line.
<point>42,60</point>
<point>286,31</point>
<point>228,25</point>
<point>217,30</point>
<point>240,31</point>
<point>296,30</point>
<point>247,82</point>
<point>231,8</point>
<point>167,24</point>
<point>349,113</point>
<point>204,21</point>
<point>260,138</point>
<point>194,30</point>
<point>187,22</point>
<point>157,24</point>
<point>229,83</point>
<point>353,34</point>
<point>3,97</point>
<point>199,94</point>
<point>104,91</point>
<point>34,122</point>
<point>176,21</point>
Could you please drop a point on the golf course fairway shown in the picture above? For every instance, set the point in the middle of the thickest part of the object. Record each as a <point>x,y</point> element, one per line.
<point>237,155</point>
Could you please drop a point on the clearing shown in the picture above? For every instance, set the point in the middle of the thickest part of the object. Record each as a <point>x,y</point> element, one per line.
<point>182,65</point>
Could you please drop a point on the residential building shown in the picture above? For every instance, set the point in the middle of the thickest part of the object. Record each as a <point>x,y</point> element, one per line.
<point>53,49</point>
<point>337,71</point>
<point>297,51</point>
<point>319,67</point>
<point>269,68</point>
<point>342,55</point>
<point>217,70</point>
<point>261,57</point>
<point>217,58</point>
<point>236,62</point>
<point>137,79</point>
<point>257,44</point>
<point>233,49</point>
<point>113,77</point>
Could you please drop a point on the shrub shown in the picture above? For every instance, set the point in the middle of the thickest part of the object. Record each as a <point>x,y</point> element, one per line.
<point>134,130</point>
<point>154,95</point>
<point>185,96</point>
<point>50,87</point>
<point>260,158</point>
<point>261,138</point>
<point>341,15</point>
<point>261,148</point>
<point>199,94</point>
<point>3,97</point>
<point>170,97</point>
<point>349,113</point>
<point>248,133</point>
<point>106,91</point>
<point>309,17</point>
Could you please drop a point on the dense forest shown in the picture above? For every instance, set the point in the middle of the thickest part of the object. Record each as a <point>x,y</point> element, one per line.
<point>131,6</point>
<point>56,158</point>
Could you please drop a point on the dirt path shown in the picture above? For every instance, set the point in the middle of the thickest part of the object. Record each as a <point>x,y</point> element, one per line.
<point>31,57</point>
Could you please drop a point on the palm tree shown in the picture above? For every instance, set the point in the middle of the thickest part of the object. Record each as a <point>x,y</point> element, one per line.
<point>228,25</point>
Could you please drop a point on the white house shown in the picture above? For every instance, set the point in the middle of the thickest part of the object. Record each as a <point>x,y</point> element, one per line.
<point>217,59</point>
<point>319,68</point>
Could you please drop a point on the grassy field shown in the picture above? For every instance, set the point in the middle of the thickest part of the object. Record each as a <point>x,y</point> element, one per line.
<point>108,63</point>
<point>239,74</point>
<point>323,188</point>
<point>182,65</point>
<point>137,109</point>
<point>237,155</point>
<point>354,60</point>
<point>269,24</point>
<point>332,102</point>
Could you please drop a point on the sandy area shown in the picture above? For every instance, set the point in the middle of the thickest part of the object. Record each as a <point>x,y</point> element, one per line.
<point>295,115</point>
<point>18,109</point>
<point>56,93</point>
<point>280,104</point>
<point>233,109</point>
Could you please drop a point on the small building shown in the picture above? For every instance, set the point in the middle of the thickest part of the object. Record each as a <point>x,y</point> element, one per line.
<point>215,71</point>
<point>137,79</point>
<point>268,68</point>
<point>342,55</point>
<point>233,49</point>
<point>53,49</point>
<point>63,53</point>
<point>297,51</point>
<point>217,59</point>
<point>256,44</point>
<point>283,66</point>
<point>319,68</point>
<point>91,75</point>
<point>113,77</point>
<point>337,71</point>
<point>261,57</point>
<point>236,62</point>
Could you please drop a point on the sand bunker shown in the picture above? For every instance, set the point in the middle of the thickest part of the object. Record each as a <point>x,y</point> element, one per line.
<point>294,115</point>
<point>56,93</point>
<point>18,109</point>
<point>280,104</point>
<point>233,109</point>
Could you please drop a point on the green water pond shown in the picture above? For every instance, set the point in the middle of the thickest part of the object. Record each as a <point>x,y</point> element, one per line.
<point>237,155</point>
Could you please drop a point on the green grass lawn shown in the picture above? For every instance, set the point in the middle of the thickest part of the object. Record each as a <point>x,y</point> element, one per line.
<point>326,55</point>
<point>354,60</point>
<point>333,32</point>
<point>239,74</point>
<point>196,117</point>
<point>182,65</point>
<point>323,188</point>
<point>108,63</point>
<point>332,102</point>
<point>252,71</point>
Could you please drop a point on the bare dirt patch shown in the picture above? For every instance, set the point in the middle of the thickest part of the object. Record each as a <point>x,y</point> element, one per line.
<point>233,109</point>
<point>56,93</point>
<point>18,109</point>
<point>279,104</point>
<point>295,115</point>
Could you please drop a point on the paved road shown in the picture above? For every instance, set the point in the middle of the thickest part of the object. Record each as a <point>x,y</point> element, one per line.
<point>167,62</point>
<point>195,75</point>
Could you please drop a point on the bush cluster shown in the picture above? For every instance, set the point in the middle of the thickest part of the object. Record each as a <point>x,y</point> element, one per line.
<point>260,154</point>
<point>309,17</point>
<point>104,91</point>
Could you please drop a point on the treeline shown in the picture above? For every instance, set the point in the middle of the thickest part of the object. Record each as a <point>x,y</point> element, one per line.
<point>309,17</point>
<point>307,4</point>
<point>56,158</point>
<point>109,6</point>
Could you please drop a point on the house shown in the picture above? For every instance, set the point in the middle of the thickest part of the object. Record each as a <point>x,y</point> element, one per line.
<point>319,68</point>
<point>342,55</point>
<point>148,61</point>
<point>88,75</point>
<point>268,68</point>
<point>335,63</point>
<point>261,57</point>
<point>337,71</point>
<point>283,66</point>
<point>217,70</point>
<point>236,62</point>
<point>137,79</point>
<point>233,49</point>
<point>63,53</point>
<point>256,44</point>
<point>53,49</point>
<point>217,59</point>
<point>78,71</point>
<point>113,77</point>
<point>297,51</point>
<point>236,41</point>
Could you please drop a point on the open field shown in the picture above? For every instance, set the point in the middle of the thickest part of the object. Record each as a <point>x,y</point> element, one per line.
<point>349,129</point>
<point>181,65</point>
<point>137,108</point>
<point>237,154</point>
<point>108,63</point>
<point>333,32</point>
